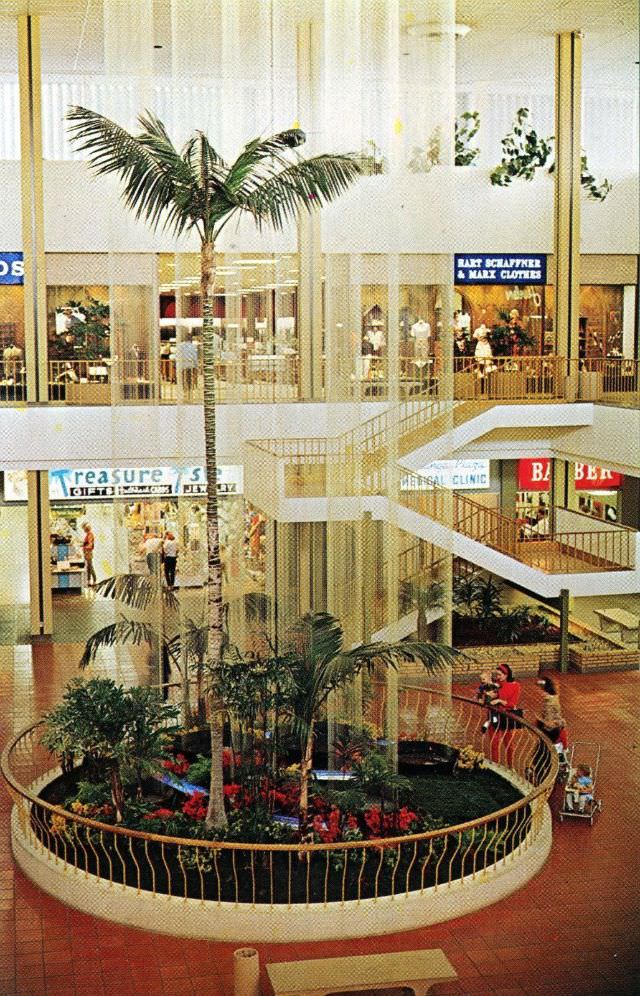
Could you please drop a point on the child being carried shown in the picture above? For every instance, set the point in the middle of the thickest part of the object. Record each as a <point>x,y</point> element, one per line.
<point>487,691</point>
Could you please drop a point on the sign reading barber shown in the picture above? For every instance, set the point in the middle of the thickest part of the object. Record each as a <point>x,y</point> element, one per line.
<point>11,268</point>
<point>494,268</point>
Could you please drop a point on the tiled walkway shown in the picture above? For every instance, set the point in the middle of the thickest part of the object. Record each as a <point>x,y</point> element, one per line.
<point>572,930</point>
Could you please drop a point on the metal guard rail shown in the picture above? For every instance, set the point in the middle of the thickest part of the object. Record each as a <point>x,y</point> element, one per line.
<point>297,873</point>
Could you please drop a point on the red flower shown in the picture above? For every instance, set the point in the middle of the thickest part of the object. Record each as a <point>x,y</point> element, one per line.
<point>160,814</point>
<point>179,766</point>
<point>195,806</point>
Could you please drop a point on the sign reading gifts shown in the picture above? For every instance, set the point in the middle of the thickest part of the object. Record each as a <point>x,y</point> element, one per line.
<point>70,484</point>
<point>11,268</point>
<point>535,475</point>
<point>496,268</point>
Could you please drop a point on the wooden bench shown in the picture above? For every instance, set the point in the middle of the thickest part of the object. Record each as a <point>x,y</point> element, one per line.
<point>417,970</point>
<point>619,619</point>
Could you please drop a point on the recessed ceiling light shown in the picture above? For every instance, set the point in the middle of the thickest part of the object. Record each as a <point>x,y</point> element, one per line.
<point>434,29</point>
<point>157,46</point>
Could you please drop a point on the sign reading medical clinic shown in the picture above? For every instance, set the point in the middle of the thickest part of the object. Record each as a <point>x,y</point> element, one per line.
<point>504,268</point>
<point>11,268</point>
<point>460,475</point>
<point>67,484</point>
<point>535,475</point>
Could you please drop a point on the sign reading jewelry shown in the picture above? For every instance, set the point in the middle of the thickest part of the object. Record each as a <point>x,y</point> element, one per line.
<point>494,268</point>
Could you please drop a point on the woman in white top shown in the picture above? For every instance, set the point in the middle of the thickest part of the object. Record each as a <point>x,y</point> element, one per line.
<point>170,550</point>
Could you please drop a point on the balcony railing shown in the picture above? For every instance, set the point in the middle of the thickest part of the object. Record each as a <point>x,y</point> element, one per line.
<point>300,874</point>
<point>274,378</point>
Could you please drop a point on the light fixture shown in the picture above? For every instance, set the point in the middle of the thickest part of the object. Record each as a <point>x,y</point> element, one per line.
<point>436,29</point>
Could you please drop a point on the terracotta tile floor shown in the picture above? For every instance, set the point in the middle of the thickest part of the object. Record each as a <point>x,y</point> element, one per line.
<point>572,930</point>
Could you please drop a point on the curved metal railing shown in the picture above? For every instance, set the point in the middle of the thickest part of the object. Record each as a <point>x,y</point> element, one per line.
<point>300,873</point>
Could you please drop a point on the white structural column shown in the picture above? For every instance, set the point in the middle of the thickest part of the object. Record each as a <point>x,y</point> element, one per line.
<point>566,215</point>
<point>35,301</point>
<point>41,603</point>
<point>309,226</point>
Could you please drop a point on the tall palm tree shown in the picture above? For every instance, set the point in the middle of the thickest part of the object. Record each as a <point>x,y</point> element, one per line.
<point>196,190</point>
<point>319,665</point>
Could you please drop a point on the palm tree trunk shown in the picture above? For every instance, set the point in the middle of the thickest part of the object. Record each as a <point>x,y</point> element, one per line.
<point>305,772</point>
<point>117,792</point>
<point>216,816</point>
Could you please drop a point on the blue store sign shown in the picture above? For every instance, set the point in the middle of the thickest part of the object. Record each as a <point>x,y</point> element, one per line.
<point>11,268</point>
<point>505,268</point>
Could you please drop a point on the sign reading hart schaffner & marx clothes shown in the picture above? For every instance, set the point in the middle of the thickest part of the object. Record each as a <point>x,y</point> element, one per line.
<point>500,268</point>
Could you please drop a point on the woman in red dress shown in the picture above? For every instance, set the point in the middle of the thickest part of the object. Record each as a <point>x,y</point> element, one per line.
<point>508,697</point>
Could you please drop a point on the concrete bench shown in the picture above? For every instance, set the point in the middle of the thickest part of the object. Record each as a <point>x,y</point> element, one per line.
<point>417,970</point>
<point>619,619</point>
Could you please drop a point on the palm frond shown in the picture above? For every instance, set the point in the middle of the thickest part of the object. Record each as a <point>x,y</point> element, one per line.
<point>158,184</point>
<point>115,635</point>
<point>317,636</point>
<point>258,151</point>
<point>137,591</point>
<point>305,185</point>
<point>433,656</point>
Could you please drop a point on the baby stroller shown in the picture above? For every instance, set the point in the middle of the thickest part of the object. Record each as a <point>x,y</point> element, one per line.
<point>581,802</point>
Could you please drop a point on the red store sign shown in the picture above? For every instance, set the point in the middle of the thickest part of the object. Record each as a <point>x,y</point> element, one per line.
<point>535,475</point>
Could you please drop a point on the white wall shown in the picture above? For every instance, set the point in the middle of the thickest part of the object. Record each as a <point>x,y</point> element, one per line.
<point>612,440</point>
<point>381,214</point>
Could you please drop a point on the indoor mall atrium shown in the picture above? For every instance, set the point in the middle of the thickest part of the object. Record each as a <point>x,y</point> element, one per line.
<point>319,497</point>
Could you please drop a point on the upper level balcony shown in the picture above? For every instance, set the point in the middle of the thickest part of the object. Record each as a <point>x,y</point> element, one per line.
<point>246,377</point>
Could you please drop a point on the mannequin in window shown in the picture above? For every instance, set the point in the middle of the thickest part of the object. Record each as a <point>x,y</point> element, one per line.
<point>376,338</point>
<point>483,351</point>
<point>459,335</point>
<point>12,357</point>
<point>421,332</point>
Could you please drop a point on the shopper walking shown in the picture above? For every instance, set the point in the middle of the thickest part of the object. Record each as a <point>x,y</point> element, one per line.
<point>170,551</point>
<point>551,723</point>
<point>88,545</point>
<point>151,546</point>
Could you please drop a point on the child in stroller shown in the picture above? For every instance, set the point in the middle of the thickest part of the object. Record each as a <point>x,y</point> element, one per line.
<point>580,788</point>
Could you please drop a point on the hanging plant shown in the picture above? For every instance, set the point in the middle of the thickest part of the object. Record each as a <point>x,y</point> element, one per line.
<point>467,126</point>
<point>371,159</point>
<point>594,190</point>
<point>424,159</point>
<point>523,152</point>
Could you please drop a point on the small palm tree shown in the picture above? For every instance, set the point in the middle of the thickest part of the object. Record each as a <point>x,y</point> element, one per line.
<point>319,664</point>
<point>195,190</point>
<point>425,597</point>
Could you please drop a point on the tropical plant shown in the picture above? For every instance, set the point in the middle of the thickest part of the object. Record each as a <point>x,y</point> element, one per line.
<point>465,591</point>
<point>487,601</point>
<point>319,665</point>
<point>195,190</point>
<point>523,152</point>
<point>88,336</point>
<point>115,730</point>
<point>467,126</point>
<point>508,335</point>
<point>375,777</point>
<point>425,597</point>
